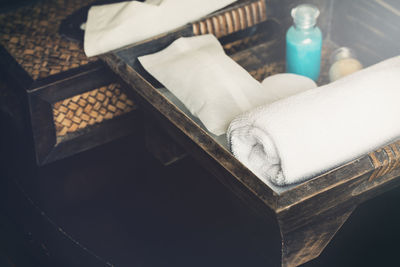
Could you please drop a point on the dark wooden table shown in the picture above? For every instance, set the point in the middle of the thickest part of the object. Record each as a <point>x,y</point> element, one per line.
<point>301,219</point>
<point>116,204</point>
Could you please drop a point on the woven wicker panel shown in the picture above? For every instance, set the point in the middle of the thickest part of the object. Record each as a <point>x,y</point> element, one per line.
<point>30,35</point>
<point>387,164</point>
<point>81,111</point>
<point>246,42</point>
<point>232,21</point>
<point>268,70</point>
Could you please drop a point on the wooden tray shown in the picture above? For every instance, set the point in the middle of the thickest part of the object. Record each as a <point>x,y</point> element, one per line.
<point>302,218</point>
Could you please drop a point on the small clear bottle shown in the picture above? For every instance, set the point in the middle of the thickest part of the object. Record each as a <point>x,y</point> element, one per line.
<point>304,42</point>
<point>344,62</point>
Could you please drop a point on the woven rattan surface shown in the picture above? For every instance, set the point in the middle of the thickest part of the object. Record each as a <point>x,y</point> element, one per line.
<point>268,70</point>
<point>387,164</point>
<point>90,108</point>
<point>30,35</point>
<point>232,21</point>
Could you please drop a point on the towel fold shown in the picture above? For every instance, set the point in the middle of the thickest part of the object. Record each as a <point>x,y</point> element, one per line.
<point>210,84</point>
<point>305,135</point>
<point>112,26</point>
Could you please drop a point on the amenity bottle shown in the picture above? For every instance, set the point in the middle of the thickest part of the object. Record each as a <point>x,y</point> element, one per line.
<point>304,42</point>
<point>344,62</point>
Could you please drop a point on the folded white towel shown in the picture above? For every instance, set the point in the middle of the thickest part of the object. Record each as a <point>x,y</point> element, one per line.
<point>210,84</point>
<point>307,134</point>
<point>112,26</point>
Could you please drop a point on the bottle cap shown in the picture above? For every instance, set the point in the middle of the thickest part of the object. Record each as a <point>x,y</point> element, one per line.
<point>305,15</point>
<point>342,53</point>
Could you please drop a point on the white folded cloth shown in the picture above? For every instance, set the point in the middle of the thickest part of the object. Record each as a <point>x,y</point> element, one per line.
<point>307,134</point>
<point>112,26</point>
<point>210,84</point>
<point>283,85</point>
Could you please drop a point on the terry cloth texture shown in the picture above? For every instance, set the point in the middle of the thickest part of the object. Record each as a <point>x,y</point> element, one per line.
<point>307,134</point>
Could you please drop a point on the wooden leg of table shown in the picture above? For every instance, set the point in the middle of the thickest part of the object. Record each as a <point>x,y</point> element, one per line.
<point>303,239</point>
<point>161,145</point>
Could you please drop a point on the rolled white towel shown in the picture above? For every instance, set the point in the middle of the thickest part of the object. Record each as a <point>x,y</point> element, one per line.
<point>112,26</point>
<point>305,135</point>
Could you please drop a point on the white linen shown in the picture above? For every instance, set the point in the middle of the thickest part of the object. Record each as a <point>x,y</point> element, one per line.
<point>302,136</point>
<point>112,26</point>
<point>211,85</point>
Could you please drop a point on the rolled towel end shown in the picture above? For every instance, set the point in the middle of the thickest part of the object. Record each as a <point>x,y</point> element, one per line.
<point>308,134</point>
<point>255,148</point>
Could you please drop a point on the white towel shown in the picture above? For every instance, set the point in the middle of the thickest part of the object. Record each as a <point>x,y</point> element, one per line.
<point>210,84</point>
<point>305,135</point>
<point>112,26</point>
<point>283,85</point>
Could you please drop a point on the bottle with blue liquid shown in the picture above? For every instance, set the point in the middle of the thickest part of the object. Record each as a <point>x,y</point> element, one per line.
<point>304,42</point>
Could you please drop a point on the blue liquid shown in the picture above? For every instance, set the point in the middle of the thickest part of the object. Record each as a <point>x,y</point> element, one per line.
<point>303,51</point>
